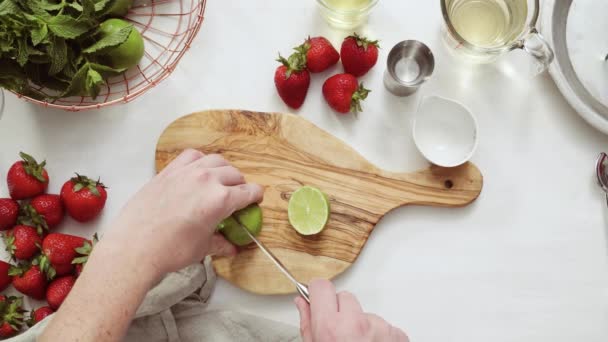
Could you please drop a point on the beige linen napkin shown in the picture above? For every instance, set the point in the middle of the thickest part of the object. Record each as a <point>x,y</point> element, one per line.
<point>174,311</point>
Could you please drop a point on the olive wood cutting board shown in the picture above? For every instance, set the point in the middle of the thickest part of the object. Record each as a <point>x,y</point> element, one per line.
<point>283,152</point>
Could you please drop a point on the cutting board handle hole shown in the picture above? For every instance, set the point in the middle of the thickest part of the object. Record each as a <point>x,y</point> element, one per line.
<point>448,184</point>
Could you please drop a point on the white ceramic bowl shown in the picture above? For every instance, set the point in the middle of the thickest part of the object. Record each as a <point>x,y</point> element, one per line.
<point>445,131</point>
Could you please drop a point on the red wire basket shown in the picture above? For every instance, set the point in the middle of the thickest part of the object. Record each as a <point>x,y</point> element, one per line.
<point>168,28</point>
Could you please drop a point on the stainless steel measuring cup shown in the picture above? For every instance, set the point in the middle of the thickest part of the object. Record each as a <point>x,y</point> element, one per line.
<point>410,63</point>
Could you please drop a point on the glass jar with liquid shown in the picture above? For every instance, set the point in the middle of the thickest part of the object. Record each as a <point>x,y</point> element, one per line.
<point>346,14</point>
<point>482,30</point>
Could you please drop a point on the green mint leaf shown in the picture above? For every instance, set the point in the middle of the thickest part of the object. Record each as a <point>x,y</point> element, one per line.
<point>76,6</point>
<point>8,7</point>
<point>36,8</point>
<point>57,50</point>
<point>77,84</point>
<point>44,4</point>
<point>65,26</point>
<point>88,10</point>
<point>23,52</point>
<point>110,40</point>
<point>104,6</point>
<point>39,34</point>
<point>107,71</point>
<point>93,83</point>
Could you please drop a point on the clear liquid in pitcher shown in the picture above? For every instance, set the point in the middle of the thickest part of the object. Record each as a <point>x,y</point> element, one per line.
<point>488,23</point>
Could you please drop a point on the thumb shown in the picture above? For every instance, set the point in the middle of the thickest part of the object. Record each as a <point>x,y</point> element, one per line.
<point>304,310</point>
<point>220,246</point>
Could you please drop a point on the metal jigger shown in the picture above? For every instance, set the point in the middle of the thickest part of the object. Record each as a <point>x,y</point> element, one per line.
<point>410,63</point>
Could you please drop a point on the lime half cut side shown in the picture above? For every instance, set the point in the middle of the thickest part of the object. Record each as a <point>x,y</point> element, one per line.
<point>308,210</point>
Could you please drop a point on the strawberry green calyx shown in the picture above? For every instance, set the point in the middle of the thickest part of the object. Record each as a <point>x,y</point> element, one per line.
<point>296,61</point>
<point>12,312</point>
<point>29,216</point>
<point>85,250</point>
<point>32,168</point>
<point>359,95</point>
<point>82,182</point>
<point>364,42</point>
<point>44,264</point>
<point>17,270</point>
<point>9,242</point>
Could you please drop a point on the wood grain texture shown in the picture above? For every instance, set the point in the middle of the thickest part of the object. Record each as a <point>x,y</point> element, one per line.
<point>283,152</point>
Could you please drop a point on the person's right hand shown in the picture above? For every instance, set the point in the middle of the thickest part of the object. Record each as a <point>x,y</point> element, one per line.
<point>332,317</point>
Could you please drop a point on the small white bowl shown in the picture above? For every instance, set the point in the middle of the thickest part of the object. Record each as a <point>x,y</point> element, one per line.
<point>445,131</point>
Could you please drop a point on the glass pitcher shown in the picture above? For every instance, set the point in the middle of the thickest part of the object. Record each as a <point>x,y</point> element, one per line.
<point>483,30</point>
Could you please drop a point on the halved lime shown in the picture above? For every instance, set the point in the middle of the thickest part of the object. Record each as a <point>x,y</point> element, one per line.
<point>308,210</point>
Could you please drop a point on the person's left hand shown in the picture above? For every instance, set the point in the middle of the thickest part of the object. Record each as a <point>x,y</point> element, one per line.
<point>171,222</point>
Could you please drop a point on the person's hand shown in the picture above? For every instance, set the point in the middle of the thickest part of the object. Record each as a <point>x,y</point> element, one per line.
<point>171,221</point>
<point>339,317</point>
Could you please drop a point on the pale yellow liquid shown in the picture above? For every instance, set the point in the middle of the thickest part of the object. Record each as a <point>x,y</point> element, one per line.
<point>346,14</point>
<point>488,23</point>
<point>347,5</point>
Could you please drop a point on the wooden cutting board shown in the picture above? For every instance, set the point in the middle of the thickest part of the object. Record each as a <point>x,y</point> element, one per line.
<point>283,152</point>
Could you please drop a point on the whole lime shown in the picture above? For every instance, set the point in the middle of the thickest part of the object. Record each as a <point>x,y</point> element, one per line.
<point>120,8</point>
<point>250,217</point>
<point>127,54</point>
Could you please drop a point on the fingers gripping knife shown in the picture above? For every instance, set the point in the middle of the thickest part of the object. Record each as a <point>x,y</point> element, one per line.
<point>302,289</point>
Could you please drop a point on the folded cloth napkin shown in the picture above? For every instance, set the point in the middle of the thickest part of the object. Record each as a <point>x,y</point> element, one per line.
<point>174,311</point>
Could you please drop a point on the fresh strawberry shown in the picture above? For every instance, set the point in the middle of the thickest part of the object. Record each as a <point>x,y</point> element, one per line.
<point>343,93</point>
<point>5,279</point>
<point>320,54</point>
<point>23,242</point>
<point>11,320</point>
<point>83,197</point>
<point>63,269</point>
<point>39,314</point>
<point>58,290</point>
<point>78,270</point>
<point>9,211</point>
<point>50,208</point>
<point>29,280</point>
<point>27,178</point>
<point>359,54</point>
<point>60,249</point>
<point>292,79</point>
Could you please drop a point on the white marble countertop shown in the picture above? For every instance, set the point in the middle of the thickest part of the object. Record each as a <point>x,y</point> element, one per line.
<point>527,262</point>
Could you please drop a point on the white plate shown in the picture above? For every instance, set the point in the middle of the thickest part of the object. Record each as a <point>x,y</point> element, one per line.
<point>577,31</point>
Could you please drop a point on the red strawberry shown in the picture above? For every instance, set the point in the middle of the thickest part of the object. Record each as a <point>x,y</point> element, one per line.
<point>292,79</point>
<point>320,54</point>
<point>5,279</point>
<point>83,197</point>
<point>343,93</point>
<point>63,269</point>
<point>359,55</point>
<point>50,208</point>
<point>11,319</point>
<point>60,249</point>
<point>29,280</point>
<point>78,270</point>
<point>39,314</point>
<point>23,242</point>
<point>58,290</point>
<point>9,211</point>
<point>27,178</point>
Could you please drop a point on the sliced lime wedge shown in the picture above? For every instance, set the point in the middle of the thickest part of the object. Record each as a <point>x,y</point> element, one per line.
<point>308,210</point>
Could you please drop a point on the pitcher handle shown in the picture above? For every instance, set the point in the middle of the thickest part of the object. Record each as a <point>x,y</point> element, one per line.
<point>534,44</point>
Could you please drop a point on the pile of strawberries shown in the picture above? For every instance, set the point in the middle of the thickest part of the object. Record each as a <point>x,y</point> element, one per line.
<point>44,264</point>
<point>342,92</point>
